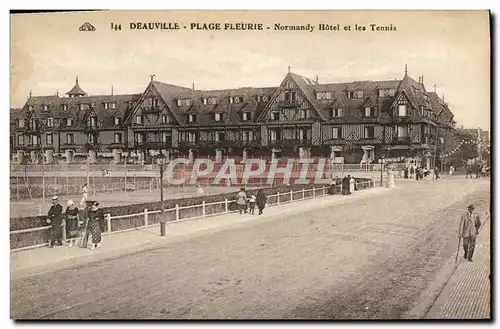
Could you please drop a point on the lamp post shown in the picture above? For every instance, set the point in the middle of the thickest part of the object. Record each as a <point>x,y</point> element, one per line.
<point>162,220</point>
<point>381,170</point>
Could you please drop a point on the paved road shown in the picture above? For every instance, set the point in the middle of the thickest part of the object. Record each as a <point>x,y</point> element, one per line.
<point>369,260</point>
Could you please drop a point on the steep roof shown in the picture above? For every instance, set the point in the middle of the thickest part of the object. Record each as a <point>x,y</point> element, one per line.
<point>76,90</point>
<point>414,91</point>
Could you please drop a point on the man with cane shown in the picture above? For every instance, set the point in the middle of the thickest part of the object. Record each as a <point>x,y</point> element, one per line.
<point>467,231</point>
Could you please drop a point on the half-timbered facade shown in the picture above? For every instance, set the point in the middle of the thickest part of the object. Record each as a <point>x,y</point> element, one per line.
<point>355,122</point>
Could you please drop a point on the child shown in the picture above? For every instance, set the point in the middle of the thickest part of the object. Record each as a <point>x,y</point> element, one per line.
<point>253,198</point>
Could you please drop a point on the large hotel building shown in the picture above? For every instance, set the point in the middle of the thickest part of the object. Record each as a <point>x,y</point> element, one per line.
<point>354,122</point>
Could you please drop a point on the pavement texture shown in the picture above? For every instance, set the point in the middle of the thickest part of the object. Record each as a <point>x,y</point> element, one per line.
<point>467,295</point>
<point>375,255</point>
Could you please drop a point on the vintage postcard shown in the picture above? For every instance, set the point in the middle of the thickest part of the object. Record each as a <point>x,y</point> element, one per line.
<point>250,165</point>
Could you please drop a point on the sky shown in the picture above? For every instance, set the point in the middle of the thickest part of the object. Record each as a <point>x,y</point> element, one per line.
<point>451,49</point>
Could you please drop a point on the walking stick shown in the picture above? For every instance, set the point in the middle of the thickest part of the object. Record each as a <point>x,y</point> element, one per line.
<point>458,250</point>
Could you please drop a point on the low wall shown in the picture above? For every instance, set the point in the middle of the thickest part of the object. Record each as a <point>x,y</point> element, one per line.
<point>29,232</point>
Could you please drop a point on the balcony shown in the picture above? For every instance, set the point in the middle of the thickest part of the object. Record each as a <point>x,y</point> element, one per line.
<point>153,145</point>
<point>66,145</point>
<point>290,142</point>
<point>402,140</point>
<point>291,103</point>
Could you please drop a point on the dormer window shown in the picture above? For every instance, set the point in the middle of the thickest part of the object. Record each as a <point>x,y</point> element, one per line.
<point>69,122</point>
<point>64,107</point>
<point>209,100</point>
<point>184,102</point>
<point>290,96</point>
<point>109,106</point>
<point>50,122</point>
<point>391,92</point>
<point>402,110</point>
<point>156,102</point>
<point>262,98</point>
<point>324,95</point>
<point>247,116</point>
<point>45,107</point>
<point>236,99</point>
<point>20,123</point>
<point>165,118</point>
<point>218,117</point>
<point>138,119</point>
<point>275,115</point>
<point>192,118</point>
<point>369,112</point>
<point>92,122</point>
<point>337,113</point>
<point>118,121</point>
<point>30,108</point>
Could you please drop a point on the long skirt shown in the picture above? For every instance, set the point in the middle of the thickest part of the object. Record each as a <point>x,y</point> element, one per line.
<point>95,230</point>
<point>71,228</point>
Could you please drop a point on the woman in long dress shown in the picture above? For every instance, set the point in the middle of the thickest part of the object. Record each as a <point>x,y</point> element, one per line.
<point>85,194</point>
<point>241,201</point>
<point>352,181</point>
<point>96,217</point>
<point>261,201</point>
<point>71,223</point>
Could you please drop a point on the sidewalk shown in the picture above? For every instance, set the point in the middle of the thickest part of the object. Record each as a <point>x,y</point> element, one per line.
<point>39,260</point>
<point>467,293</point>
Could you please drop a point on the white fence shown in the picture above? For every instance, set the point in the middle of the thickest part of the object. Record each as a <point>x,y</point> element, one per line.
<point>296,195</point>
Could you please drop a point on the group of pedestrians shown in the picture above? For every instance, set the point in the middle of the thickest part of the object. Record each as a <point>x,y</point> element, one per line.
<point>75,226</point>
<point>247,204</point>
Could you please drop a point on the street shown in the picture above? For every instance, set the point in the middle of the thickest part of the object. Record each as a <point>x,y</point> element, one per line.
<point>369,260</point>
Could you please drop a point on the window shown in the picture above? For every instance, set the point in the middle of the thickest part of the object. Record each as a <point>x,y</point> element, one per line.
<point>106,106</point>
<point>192,118</point>
<point>369,112</point>
<point>50,122</point>
<point>156,102</point>
<point>324,95</point>
<point>302,134</point>
<point>138,119</point>
<point>70,139</point>
<point>139,138</point>
<point>290,96</point>
<point>391,92</point>
<point>369,132</point>
<point>69,122</point>
<point>118,138</point>
<point>165,138</point>
<point>358,94</point>
<point>304,114</point>
<point>210,101</point>
<point>337,113</point>
<point>220,136</point>
<point>402,132</point>
<point>45,107</point>
<point>247,136</point>
<point>336,132</point>
<point>20,123</point>
<point>49,139</point>
<point>247,116</point>
<point>192,137</point>
<point>83,107</point>
<point>118,121</point>
<point>262,98</point>
<point>274,135</point>
<point>275,115</point>
<point>64,107</point>
<point>165,118</point>
<point>402,111</point>
<point>218,116</point>
<point>34,140</point>
<point>236,99</point>
<point>92,139</point>
<point>350,94</point>
<point>184,102</point>
<point>30,108</point>
<point>20,140</point>
<point>93,122</point>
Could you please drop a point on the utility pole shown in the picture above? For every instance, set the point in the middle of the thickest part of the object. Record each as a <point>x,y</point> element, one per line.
<point>162,219</point>
<point>43,179</point>
<point>382,160</point>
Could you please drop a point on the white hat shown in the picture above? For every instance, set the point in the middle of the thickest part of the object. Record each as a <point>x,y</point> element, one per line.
<point>55,197</point>
<point>70,203</point>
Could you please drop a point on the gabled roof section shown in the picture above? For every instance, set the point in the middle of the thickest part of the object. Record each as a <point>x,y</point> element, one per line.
<point>167,92</point>
<point>414,91</point>
<point>304,85</point>
<point>76,91</point>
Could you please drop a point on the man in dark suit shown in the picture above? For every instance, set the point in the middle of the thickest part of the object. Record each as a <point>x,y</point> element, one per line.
<point>55,219</point>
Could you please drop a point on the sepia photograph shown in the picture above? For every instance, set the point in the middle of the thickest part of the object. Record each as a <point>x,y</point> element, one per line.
<point>250,165</point>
